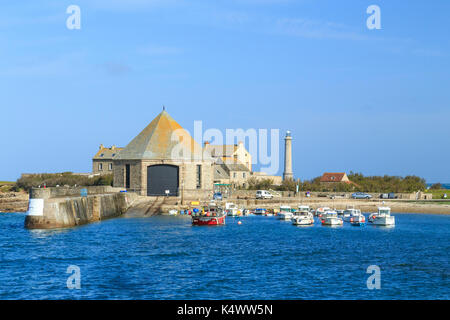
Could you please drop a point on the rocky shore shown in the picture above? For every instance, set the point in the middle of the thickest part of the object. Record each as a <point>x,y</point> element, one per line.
<point>13,202</point>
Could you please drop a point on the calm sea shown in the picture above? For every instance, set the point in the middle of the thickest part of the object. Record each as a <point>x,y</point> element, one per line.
<point>444,185</point>
<point>263,258</point>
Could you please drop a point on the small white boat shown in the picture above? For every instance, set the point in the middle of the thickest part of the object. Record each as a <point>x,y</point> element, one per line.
<point>330,218</point>
<point>302,208</point>
<point>320,211</point>
<point>349,213</point>
<point>340,212</point>
<point>260,211</point>
<point>303,219</point>
<point>285,213</point>
<point>382,217</point>
<point>173,212</point>
<point>358,220</point>
<point>231,209</point>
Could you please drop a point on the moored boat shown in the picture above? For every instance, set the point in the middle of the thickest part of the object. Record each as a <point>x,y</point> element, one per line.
<point>285,213</point>
<point>259,211</point>
<point>302,209</point>
<point>358,220</point>
<point>209,216</point>
<point>320,211</point>
<point>231,209</point>
<point>303,219</point>
<point>349,213</point>
<point>330,218</point>
<point>382,217</point>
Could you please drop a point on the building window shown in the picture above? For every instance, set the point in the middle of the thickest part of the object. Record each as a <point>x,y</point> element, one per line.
<point>243,175</point>
<point>100,167</point>
<point>234,175</point>
<point>199,176</point>
<point>110,167</point>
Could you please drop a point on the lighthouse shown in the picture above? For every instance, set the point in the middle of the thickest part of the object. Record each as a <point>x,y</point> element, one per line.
<point>287,174</point>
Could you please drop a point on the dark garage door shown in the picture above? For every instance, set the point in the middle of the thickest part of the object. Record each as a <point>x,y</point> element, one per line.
<point>161,178</point>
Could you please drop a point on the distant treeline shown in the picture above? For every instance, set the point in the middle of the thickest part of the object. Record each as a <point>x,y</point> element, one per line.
<point>26,182</point>
<point>382,184</point>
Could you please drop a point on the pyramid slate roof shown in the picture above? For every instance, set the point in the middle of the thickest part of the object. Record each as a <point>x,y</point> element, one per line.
<point>162,139</point>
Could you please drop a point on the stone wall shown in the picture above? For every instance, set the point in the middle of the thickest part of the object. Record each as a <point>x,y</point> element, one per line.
<point>250,194</point>
<point>70,212</point>
<point>187,175</point>
<point>105,166</point>
<point>57,192</point>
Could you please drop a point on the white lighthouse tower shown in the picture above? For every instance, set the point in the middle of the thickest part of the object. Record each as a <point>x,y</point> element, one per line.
<point>287,174</point>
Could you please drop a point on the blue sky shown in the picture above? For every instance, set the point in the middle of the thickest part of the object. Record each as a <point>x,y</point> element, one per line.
<point>371,101</point>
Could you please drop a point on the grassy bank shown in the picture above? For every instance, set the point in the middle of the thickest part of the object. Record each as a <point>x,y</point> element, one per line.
<point>6,186</point>
<point>439,194</point>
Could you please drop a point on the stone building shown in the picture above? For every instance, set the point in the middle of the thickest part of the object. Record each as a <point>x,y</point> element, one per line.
<point>235,174</point>
<point>164,160</point>
<point>230,154</point>
<point>102,162</point>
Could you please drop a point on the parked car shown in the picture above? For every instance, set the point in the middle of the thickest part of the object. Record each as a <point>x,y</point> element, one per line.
<point>217,196</point>
<point>263,194</point>
<point>361,195</point>
<point>336,196</point>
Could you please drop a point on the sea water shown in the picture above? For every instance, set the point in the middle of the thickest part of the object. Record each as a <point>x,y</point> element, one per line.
<point>261,258</point>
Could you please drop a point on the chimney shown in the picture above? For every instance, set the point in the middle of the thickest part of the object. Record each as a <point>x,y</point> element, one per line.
<point>113,147</point>
<point>101,147</point>
<point>206,143</point>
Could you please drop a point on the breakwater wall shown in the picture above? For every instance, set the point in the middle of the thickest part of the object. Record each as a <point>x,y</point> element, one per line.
<point>57,208</point>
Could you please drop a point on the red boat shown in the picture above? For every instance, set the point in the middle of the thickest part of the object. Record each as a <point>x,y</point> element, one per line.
<point>209,216</point>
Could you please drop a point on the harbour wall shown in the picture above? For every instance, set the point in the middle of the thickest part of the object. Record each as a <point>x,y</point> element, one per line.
<point>52,208</point>
<point>250,194</point>
<point>397,206</point>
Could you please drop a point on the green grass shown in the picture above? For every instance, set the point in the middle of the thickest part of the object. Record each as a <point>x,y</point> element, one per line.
<point>6,182</point>
<point>438,194</point>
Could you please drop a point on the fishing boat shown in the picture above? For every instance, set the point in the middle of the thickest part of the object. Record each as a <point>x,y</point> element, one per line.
<point>209,216</point>
<point>358,220</point>
<point>269,213</point>
<point>349,213</point>
<point>330,218</point>
<point>320,211</point>
<point>259,211</point>
<point>303,218</point>
<point>382,217</point>
<point>231,209</point>
<point>285,213</point>
<point>302,209</point>
<point>340,212</point>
